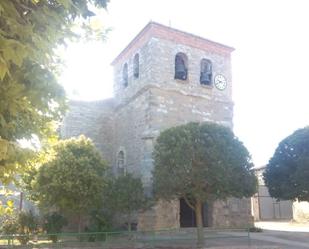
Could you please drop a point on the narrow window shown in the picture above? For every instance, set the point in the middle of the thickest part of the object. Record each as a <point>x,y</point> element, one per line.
<point>125,75</point>
<point>136,66</point>
<point>181,68</point>
<point>206,72</point>
<point>120,163</point>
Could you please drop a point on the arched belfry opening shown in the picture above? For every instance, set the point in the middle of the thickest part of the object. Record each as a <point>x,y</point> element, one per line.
<point>206,72</point>
<point>181,66</point>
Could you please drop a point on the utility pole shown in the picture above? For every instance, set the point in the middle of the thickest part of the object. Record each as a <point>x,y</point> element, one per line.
<point>21,201</point>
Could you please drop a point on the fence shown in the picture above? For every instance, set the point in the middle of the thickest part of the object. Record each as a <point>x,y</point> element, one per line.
<point>175,238</point>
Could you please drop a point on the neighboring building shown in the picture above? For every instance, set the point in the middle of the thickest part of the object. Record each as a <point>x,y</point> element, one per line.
<point>264,207</point>
<point>163,78</point>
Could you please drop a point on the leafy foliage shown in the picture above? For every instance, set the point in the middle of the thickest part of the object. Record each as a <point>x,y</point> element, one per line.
<point>6,209</point>
<point>73,180</point>
<point>287,172</point>
<point>28,221</point>
<point>100,220</point>
<point>125,195</point>
<point>53,224</point>
<point>6,204</point>
<point>9,225</point>
<point>201,162</point>
<point>30,96</point>
<point>24,224</point>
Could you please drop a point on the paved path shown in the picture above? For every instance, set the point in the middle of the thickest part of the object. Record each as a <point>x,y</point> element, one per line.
<point>283,226</point>
<point>283,239</point>
<point>285,235</point>
<point>288,235</point>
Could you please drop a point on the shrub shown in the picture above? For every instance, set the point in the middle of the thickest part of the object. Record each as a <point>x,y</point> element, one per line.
<point>24,224</point>
<point>100,221</point>
<point>255,230</point>
<point>28,224</point>
<point>53,224</point>
<point>10,225</point>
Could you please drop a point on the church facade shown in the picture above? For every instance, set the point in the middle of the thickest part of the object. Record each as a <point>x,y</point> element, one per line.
<point>163,78</point>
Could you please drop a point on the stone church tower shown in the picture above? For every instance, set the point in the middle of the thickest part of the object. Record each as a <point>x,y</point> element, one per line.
<point>163,78</point>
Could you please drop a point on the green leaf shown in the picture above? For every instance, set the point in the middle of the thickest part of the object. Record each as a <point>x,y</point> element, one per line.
<point>10,203</point>
<point>3,68</point>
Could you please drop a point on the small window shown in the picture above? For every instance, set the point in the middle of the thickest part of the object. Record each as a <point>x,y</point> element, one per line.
<point>181,68</point>
<point>121,163</point>
<point>125,75</point>
<point>206,72</point>
<point>136,66</point>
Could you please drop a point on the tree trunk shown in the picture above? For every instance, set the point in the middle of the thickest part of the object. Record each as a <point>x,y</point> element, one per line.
<point>129,222</point>
<point>199,223</point>
<point>79,223</point>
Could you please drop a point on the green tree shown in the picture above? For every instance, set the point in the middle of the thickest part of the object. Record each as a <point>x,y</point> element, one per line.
<point>200,163</point>
<point>125,196</point>
<point>30,96</point>
<point>73,180</point>
<point>287,172</point>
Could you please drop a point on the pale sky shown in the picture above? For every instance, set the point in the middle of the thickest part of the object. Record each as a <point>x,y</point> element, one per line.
<point>269,65</point>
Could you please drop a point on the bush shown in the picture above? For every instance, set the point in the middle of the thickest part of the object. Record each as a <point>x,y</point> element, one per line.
<point>28,222</point>
<point>255,230</point>
<point>53,224</point>
<point>100,221</point>
<point>24,224</point>
<point>10,225</point>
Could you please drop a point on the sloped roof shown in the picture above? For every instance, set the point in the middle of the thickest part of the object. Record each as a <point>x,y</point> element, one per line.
<point>154,29</point>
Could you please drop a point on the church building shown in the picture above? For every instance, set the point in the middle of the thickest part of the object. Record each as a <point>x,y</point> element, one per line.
<point>163,78</point>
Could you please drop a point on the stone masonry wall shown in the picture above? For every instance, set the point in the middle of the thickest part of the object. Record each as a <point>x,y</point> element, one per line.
<point>232,213</point>
<point>164,215</point>
<point>164,69</point>
<point>130,123</point>
<point>94,120</point>
<point>135,85</point>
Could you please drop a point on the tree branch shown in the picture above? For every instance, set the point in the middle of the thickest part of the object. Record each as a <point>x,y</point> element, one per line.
<point>189,203</point>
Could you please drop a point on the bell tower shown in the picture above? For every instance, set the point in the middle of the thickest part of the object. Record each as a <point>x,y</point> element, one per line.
<point>163,78</point>
<point>187,77</point>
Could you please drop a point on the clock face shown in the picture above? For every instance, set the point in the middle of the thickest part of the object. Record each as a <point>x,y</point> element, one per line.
<point>220,82</point>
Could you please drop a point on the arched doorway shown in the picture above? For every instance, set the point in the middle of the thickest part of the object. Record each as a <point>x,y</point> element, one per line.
<point>187,215</point>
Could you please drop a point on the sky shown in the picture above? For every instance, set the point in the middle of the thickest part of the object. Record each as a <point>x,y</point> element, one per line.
<point>269,64</point>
